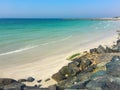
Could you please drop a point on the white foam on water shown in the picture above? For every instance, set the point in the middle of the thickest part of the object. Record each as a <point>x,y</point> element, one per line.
<point>31,47</point>
<point>66,38</point>
<point>18,50</point>
<point>57,40</point>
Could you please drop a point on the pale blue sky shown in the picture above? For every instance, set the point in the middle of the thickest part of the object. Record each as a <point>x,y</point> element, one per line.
<point>59,8</point>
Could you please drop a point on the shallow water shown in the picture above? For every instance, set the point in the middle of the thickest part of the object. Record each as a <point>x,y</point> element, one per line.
<point>27,40</point>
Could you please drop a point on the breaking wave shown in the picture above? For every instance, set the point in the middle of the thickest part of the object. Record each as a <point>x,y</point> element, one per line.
<point>31,47</point>
<point>18,50</point>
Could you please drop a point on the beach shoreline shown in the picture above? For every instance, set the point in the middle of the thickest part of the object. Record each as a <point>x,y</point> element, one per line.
<point>50,65</point>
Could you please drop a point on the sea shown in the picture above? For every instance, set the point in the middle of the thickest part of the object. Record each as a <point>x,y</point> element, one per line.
<point>30,40</point>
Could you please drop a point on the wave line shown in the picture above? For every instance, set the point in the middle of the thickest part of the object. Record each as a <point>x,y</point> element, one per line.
<point>17,51</point>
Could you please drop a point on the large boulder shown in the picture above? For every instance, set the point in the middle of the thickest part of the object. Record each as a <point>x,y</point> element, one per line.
<point>14,86</point>
<point>73,68</point>
<point>108,50</point>
<point>97,83</point>
<point>58,77</point>
<point>65,71</point>
<point>77,66</point>
<point>10,84</point>
<point>100,49</point>
<point>113,67</point>
<point>6,81</point>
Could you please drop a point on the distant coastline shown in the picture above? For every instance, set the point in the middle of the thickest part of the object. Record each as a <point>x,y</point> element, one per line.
<point>112,18</point>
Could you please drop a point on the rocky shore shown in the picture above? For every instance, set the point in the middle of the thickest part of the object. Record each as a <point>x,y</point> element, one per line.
<point>98,69</point>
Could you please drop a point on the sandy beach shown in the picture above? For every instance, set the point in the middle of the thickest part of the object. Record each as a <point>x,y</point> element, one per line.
<point>59,45</point>
<point>44,69</point>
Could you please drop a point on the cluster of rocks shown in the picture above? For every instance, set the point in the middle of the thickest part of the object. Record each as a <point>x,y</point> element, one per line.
<point>29,79</point>
<point>11,84</point>
<point>97,70</point>
<point>89,79</point>
<point>115,49</point>
<point>84,73</point>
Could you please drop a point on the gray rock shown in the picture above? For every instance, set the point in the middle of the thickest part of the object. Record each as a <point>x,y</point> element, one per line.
<point>65,70</point>
<point>74,64</point>
<point>108,50</point>
<point>14,86</point>
<point>6,81</point>
<point>85,62</point>
<point>113,67</point>
<point>73,68</point>
<point>114,84</point>
<point>98,73</point>
<point>93,50</point>
<point>67,83</point>
<point>53,87</point>
<point>100,82</point>
<point>116,59</point>
<point>58,77</point>
<point>111,86</point>
<point>30,79</point>
<point>90,68</point>
<point>80,85</point>
<point>104,83</point>
<point>100,49</point>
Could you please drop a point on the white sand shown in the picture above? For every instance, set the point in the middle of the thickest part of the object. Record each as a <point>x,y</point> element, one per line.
<point>44,69</point>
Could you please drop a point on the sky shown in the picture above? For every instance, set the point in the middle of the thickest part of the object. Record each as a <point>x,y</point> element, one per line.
<point>59,8</point>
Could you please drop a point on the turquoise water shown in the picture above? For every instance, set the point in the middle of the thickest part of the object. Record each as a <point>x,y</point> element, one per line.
<point>34,39</point>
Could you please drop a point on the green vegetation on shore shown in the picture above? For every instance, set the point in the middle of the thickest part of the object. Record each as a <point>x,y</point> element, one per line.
<point>73,56</point>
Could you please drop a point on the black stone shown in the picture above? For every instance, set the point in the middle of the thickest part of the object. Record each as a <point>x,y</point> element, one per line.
<point>39,81</point>
<point>30,79</point>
